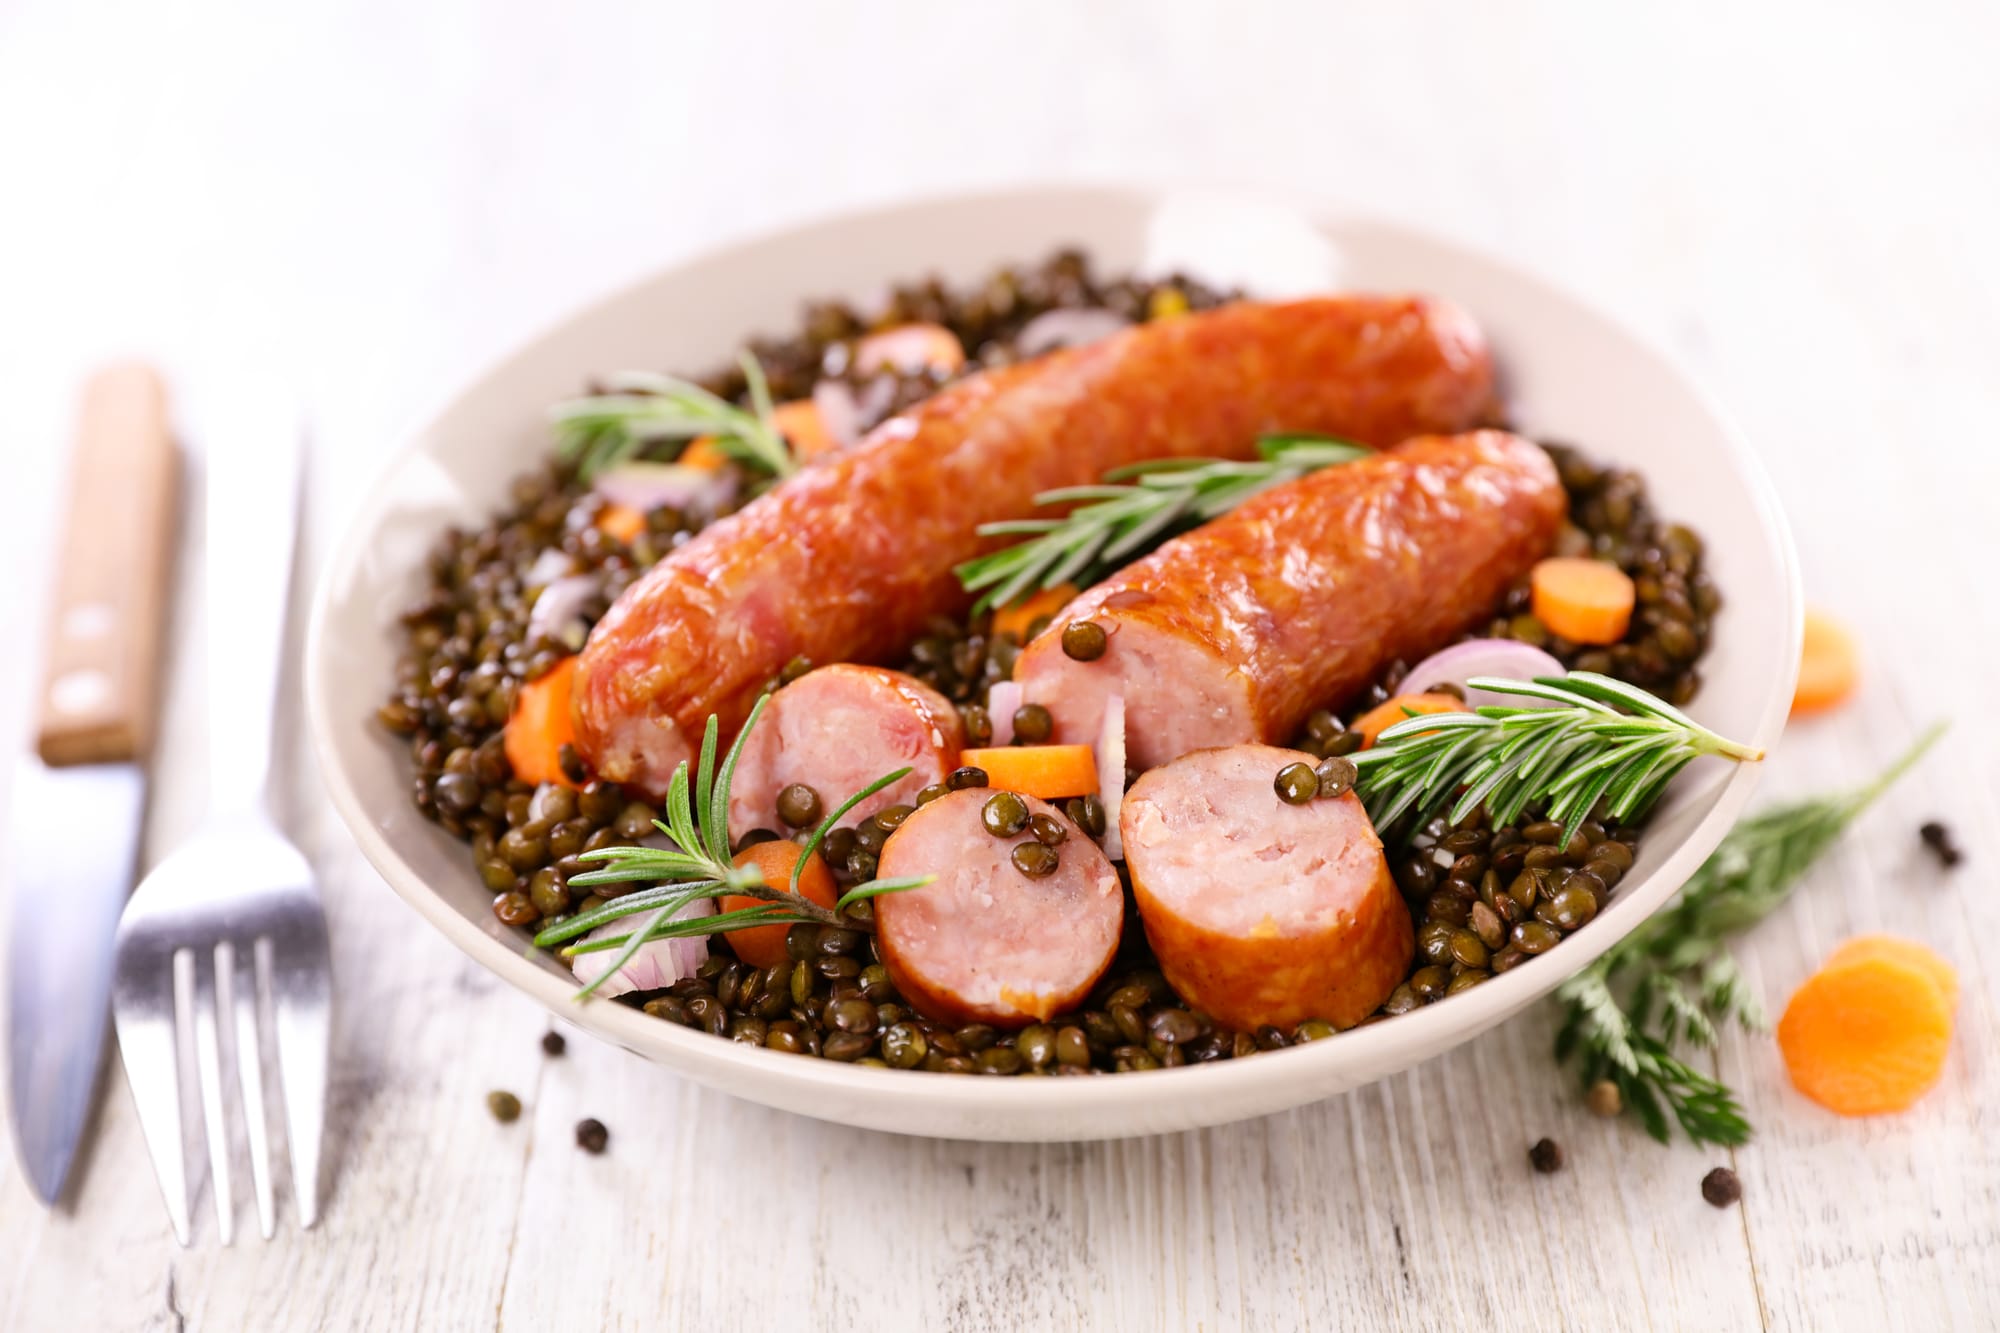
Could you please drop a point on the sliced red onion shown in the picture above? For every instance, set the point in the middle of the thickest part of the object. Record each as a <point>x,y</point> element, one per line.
<point>648,486</point>
<point>1483,657</point>
<point>838,411</point>
<point>1054,329</point>
<point>560,606</point>
<point>550,565</point>
<point>657,965</point>
<point>1111,773</point>
<point>1001,703</point>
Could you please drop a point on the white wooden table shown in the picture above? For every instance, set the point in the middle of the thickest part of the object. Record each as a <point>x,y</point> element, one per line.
<point>1797,198</point>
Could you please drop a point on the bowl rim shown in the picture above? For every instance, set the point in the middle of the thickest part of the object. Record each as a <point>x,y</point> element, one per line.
<point>715,1062</point>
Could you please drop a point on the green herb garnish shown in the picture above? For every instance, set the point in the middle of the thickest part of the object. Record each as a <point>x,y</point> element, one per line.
<point>699,866</point>
<point>1605,741</point>
<point>1164,497</point>
<point>1673,979</point>
<point>643,410</point>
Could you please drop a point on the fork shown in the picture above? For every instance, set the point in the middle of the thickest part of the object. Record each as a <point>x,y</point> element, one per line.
<point>229,928</point>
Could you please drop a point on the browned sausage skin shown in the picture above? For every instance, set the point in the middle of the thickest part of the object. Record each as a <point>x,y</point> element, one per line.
<point>1259,911</point>
<point>836,730</point>
<point>844,562</point>
<point>984,943</point>
<point>1236,631</point>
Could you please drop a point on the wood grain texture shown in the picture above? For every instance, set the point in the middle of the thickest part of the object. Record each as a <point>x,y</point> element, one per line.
<point>100,678</point>
<point>1795,199</point>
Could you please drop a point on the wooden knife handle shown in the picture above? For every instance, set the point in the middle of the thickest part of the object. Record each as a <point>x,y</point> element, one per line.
<point>100,697</point>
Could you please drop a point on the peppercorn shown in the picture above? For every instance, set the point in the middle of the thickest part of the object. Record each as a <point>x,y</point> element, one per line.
<point>1937,837</point>
<point>1604,1099</point>
<point>505,1106</point>
<point>1721,1187</point>
<point>1546,1156</point>
<point>553,1043</point>
<point>592,1136</point>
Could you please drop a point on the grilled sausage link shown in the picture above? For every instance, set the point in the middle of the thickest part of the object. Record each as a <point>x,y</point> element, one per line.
<point>1236,631</point>
<point>845,561</point>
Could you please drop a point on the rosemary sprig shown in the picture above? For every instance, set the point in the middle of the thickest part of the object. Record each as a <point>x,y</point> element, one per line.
<point>645,409</point>
<point>698,865</point>
<point>1604,741</point>
<point>1673,980</point>
<point>1136,509</point>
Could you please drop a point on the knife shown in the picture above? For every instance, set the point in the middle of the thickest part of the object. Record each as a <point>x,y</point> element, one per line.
<point>80,798</point>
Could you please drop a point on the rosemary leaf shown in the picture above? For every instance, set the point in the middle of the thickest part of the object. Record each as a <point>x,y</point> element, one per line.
<point>1137,508</point>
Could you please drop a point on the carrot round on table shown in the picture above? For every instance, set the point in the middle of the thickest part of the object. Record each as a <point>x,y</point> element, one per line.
<point>1866,1037</point>
<point>1829,664</point>
<point>764,946</point>
<point>540,726</point>
<point>1904,951</point>
<point>1583,600</point>
<point>1051,772</point>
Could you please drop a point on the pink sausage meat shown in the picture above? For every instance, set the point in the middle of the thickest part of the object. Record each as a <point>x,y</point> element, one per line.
<point>984,943</point>
<point>836,730</point>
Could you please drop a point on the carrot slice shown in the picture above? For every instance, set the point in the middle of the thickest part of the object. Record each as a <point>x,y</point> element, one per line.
<point>540,726</point>
<point>1903,951</point>
<point>1051,772</point>
<point>1829,664</point>
<point>1381,717</point>
<point>803,428</point>
<point>621,521</point>
<point>1866,1037</point>
<point>1019,617</point>
<point>1584,600</point>
<point>703,452</point>
<point>909,348</point>
<point>764,946</point>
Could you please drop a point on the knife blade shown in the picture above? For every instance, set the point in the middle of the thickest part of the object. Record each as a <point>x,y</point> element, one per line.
<point>79,800</point>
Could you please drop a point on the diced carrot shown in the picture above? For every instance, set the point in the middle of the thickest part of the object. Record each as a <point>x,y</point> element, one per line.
<point>803,428</point>
<point>1051,772</point>
<point>621,521</point>
<point>1829,665</point>
<point>540,726</point>
<point>1018,618</point>
<point>703,452</point>
<point>1903,951</point>
<point>1382,716</point>
<point>764,946</point>
<point>909,348</point>
<point>1866,1037</point>
<point>1583,600</point>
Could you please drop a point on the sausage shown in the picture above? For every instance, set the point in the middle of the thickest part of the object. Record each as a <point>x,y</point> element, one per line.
<point>1300,596</point>
<point>845,561</point>
<point>836,730</point>
<point>1258,911</point>
<point>984,943</point>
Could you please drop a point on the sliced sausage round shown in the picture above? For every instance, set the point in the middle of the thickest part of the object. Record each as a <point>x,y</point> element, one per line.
<point>1259,911</point>
<point>1301,595</point>
<point>836,730</point>
<point>984,943</point>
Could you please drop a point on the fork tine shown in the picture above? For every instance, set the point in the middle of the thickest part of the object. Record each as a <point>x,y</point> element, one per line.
<point>143,1007</point>
<point>211,980</point>
<point>250,1073</point>
<point>300,984</point>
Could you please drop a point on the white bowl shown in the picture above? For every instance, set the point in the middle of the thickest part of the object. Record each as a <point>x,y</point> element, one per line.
<point>1571,373</point>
